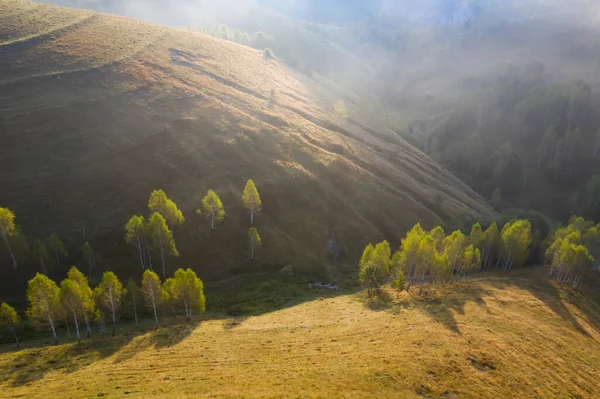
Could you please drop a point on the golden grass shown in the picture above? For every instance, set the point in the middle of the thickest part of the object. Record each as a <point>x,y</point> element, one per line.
<point>492,337</point>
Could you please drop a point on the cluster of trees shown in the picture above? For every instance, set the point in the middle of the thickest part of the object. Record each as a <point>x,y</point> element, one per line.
<point>148,235</point>
<point>572,249</point>
<point>74,301</point>
<point>157,231</point>
<point>440,258</point>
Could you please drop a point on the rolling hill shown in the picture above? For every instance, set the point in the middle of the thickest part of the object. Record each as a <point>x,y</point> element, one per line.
<point>493,337</point>
<point>99,110</point>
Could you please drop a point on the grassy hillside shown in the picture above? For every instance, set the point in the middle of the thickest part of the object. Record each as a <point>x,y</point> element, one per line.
<point>491,337</point>
<point>98,110</point>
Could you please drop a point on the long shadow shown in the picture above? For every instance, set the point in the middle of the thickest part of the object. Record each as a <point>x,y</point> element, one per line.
<point>232,304</point>
<point>586,298</point>
<point>439,303</point>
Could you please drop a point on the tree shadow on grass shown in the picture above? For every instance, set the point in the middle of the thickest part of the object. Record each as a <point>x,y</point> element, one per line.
<point>536,281</point>
<point>40,357</point>
<point>440,303</point>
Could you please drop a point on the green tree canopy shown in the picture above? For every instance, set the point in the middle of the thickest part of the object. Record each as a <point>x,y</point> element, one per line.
<point>212,208</point>
<point>251,199</point>
<point>163,238</point>
<point>134,235</point>
<point>7,228</point>
<point>88,306</point>
<point>152,291</point>
<point>44,308</point>
<point>109,295</point>
<point>9,318</point>
<point>71,297</point>
<point>254,240</point>
<point>188,289</point>
<point>517,238</point>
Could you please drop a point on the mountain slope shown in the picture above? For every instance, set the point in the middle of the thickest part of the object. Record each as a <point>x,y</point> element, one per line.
<point>494,337</point>
<point>99,110</point>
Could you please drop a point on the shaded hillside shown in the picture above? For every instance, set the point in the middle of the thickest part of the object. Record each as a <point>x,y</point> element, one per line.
<point>494,337</point>
<point>97,111</point>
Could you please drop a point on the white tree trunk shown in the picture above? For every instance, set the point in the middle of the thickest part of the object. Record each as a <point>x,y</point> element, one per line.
<point>154,308</point>
<point>53,330</point>
<point>162,258</point>
<point>140,252</point>
<point>251,216</point>
<point>76,327</point>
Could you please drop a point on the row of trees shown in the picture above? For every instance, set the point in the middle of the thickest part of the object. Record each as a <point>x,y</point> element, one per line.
<point>441,258</point>
<point>74,301</point>
<point>444,258</point>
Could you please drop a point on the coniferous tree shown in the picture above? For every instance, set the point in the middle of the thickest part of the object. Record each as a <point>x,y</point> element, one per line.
<point>109,295</point>
<point>9,318</point>
<point>7,228</point>
<point>251,199</point>
<point>44,308</point>
<point>254,240</point>
<point>212,208</point>
<point>57,247</point>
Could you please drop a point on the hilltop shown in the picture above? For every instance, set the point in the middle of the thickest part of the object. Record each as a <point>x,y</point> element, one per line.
<point>490,337</point>
<point>99,110</point>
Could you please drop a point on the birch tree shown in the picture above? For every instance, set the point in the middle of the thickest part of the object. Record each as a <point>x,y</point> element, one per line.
<point>163,238</point>
<point>109,295</point>
<point>56,247</point>
<point>517,238</point>
<point>72,299</point>
<point>134,295</point>
<point>7,228</point>
<point>492,245</point>
<point>87,304</point>
<point>44,308</point>
<point>406,257</point>
<point>41,254</point>
<point>453,248</point>
<point>374,266</point>
<point>152,291</point>
<point>160,202</point>
<point>251,199</point>
<point>134,235</point>
<point>89,255</point>
<point>254,240</point>
<point>212,208</point>
<point>9,318</point>
<point>189,290</point>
